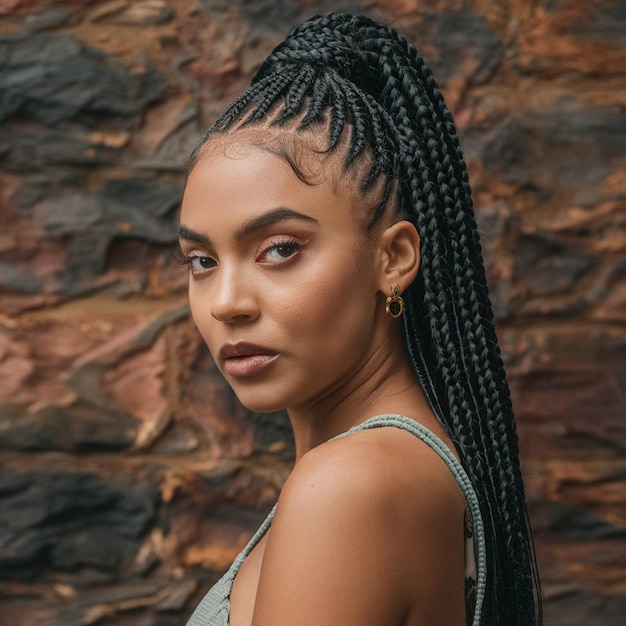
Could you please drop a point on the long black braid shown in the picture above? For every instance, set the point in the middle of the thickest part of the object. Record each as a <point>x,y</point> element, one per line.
<point>355,78</point>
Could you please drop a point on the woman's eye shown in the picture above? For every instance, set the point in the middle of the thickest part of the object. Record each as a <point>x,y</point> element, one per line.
<point>283,251</point>
<point>278,252</point>
<point>196,262</point>
<point>201,263</point>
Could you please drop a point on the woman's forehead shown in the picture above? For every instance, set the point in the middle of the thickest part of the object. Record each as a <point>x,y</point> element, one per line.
<point>239,178</point>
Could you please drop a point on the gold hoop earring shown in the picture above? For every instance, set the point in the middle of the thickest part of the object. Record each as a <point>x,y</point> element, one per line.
<point>394,306</point>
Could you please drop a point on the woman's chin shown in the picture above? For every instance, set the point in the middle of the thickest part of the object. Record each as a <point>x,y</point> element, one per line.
<point>258,404</point>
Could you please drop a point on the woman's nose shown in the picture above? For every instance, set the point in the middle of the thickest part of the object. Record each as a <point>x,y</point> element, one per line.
<point>233,298</point>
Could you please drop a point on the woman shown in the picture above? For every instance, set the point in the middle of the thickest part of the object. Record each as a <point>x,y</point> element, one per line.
<point>335,271</point>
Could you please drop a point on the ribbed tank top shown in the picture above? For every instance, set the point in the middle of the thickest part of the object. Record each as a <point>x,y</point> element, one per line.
<point>214,608</point>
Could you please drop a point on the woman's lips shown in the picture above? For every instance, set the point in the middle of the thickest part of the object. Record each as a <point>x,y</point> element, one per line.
<point>246,359</point>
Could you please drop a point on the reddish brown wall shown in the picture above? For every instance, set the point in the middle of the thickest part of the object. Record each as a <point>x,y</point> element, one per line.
<point>130,475</point>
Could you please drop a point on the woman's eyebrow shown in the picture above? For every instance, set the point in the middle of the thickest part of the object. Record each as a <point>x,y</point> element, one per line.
<point>266,219</point>
<point>271,217</point>
<point>191,235</point>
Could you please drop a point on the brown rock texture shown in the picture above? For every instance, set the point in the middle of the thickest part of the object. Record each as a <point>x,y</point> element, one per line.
<point>131,475</point>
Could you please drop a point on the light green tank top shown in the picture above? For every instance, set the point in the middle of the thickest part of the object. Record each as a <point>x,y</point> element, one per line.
<point>214,608</point>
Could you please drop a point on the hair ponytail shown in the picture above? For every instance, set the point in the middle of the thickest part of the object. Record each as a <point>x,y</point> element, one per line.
<point>352,75</point>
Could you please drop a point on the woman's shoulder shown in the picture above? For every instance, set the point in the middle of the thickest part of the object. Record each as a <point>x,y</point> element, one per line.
<point>383,488</point>
<point>364,516</point>
<point>375,468</point>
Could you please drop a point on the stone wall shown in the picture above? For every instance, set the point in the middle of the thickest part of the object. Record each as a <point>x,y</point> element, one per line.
<point>130,476</point>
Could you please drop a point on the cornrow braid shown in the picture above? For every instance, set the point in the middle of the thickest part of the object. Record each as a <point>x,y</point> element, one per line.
<point>370,91</point>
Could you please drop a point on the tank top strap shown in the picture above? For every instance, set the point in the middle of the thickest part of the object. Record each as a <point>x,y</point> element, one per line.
<point>438,446</point>
<point>258,535</point>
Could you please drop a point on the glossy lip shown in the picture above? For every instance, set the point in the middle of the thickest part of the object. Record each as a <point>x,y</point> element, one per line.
<point>246,359</point>
<point>243,349</point>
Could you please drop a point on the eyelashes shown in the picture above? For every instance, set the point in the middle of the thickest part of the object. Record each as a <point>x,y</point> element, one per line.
<point>280,250</point>
<point>197,262</point>
<point>180,257</point>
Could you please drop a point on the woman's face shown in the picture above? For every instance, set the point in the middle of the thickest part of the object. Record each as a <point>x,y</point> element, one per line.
<point>282,281</point>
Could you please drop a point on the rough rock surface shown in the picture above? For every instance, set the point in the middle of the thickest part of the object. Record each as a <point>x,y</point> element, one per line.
<point>130,474</point>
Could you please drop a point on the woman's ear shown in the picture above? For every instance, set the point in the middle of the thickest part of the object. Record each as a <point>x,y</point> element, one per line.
<point>400,254</point>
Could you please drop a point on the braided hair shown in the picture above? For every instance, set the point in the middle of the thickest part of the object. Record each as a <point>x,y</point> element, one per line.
<point>368,91</point>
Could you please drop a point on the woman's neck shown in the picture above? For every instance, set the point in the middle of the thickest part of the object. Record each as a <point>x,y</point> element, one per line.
<point>384,383</point>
